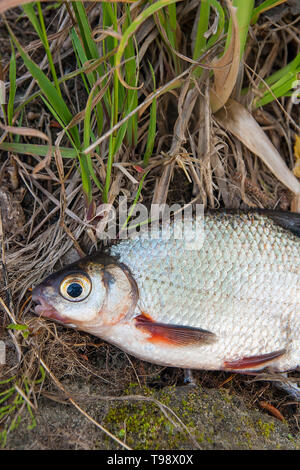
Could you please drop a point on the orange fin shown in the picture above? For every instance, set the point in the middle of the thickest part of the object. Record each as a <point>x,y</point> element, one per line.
<point>253,361</point>
<point>176,335</point>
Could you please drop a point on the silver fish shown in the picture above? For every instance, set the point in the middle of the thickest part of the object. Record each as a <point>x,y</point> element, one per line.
<point>223,298</point>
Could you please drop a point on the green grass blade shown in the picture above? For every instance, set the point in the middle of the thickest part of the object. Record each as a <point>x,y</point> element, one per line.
<point>264,6</point>
<point>132,76</point>
<point>135,201</point>
<point>89,44</point>
<point>30,13</point>
<point>221,22</point>
<point>44,39</point>
<point>292,67</point>
<point>34,149</point>
<point>244,14</point>
<point>132,28</point>
<point>85,178</point>
<point>86,139</point>
<point>202,27</point>
<point>281,83</point>
<point>81,58</point>
<point>46,87</point>
<point>283,87</point>
<point>12,86</point>
<point>152,125</point>
<point>39,25</point>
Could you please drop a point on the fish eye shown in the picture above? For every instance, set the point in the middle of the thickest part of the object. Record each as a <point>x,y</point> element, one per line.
<point>75,287</point>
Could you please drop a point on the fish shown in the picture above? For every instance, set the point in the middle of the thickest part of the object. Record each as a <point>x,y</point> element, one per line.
<point>223,296</point>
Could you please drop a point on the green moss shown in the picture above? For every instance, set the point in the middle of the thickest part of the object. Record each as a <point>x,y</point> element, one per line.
<point>225,395</point>
<point>145,425</point>
<point>266,428</point>
<point>210,422</point>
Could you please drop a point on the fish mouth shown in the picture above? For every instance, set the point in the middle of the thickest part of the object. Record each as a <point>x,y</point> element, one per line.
<point>45,309</point>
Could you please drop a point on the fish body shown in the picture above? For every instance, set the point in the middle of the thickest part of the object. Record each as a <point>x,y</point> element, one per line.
<point>224,296</point>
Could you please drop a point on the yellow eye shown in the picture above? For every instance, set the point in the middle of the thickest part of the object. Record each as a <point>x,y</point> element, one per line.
<point>75,287</point>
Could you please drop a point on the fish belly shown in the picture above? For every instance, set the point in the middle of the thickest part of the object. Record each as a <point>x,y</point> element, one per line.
<point>239,279</point>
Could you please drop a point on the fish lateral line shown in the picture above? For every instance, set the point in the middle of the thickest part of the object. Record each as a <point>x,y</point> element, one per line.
<point>171,334</point>
<point>253,361</point>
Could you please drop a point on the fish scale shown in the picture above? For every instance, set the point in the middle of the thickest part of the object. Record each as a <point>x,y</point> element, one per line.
<point>226,297</point>
<point>242,285</point>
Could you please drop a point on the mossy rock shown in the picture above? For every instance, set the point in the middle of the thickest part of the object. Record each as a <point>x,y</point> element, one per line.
<point>171,418</point>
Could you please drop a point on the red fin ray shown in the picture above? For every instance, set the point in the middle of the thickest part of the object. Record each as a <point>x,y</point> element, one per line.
<point>171,334</point>
<point>251,362</point>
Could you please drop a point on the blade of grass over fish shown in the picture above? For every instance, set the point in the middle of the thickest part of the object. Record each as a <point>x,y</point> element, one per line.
<point>38,150</point>
<point>132,28</point>
<point>152,125</point>
<point>264,6</point>
<point>12,86</point>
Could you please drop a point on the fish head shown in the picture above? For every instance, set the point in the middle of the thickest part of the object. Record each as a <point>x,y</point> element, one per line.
<point>91,294</point>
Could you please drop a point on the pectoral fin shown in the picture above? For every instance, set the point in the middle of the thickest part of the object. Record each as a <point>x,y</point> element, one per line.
<point>251,362</point>
<point>173,334</point>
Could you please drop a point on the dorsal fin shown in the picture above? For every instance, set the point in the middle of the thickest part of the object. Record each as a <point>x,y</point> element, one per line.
<point>288,220</point>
